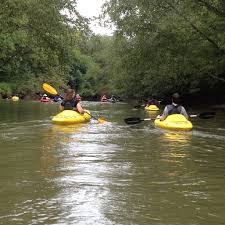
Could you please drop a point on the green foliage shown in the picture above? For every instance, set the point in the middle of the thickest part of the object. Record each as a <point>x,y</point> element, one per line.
<point>161,46</point>
<point>5,89</point>
<point>95,76</point>
<point>36,41</point>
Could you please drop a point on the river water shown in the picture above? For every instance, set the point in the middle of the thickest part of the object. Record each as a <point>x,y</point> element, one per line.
<point>109,173</point>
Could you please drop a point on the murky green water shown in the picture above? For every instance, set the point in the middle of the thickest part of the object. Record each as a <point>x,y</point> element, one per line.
<point>108,173</point>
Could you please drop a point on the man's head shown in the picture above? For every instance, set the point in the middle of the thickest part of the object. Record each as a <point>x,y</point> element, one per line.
<point>176,98</point>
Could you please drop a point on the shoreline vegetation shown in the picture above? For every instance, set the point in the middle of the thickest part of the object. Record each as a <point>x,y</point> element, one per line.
<point>189,101</point>
<point>158,47</point>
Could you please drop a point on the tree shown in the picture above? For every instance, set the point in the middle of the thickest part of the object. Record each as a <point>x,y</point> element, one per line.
<point>37,39</point>
<point>167,45</point>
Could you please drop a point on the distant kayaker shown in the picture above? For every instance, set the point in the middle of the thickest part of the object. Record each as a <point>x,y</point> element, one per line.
<point>174,108</point>
<point>112,99</point>
<point>78,98</point>
<point>45,97</point>
<point>152,101</point>
<point>57,98</point>
<point>104,98</point>
<point>70,102</point>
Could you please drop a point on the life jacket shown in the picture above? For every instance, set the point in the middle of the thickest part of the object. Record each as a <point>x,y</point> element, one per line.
<point>174,109</point>
<point>69,104</point>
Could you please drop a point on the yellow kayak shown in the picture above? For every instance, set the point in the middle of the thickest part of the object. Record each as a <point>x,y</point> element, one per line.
<point>70,117</point>
<point>15,98</point>
<point>152,108</point>
<point>174,122</point>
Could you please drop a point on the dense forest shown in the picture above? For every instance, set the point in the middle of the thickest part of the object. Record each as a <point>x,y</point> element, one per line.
<point>158,47</point>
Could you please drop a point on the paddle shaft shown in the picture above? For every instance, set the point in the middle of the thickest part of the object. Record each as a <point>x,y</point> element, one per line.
<point>204,115</point>
<point>136,120</point>
<point>147,119</point>
<point>193,116</point>
<point>91,115</point>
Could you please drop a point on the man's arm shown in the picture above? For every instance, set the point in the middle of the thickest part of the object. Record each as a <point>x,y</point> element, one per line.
<point>164,114</point>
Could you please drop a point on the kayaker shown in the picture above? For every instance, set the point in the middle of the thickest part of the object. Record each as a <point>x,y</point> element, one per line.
<point>44,97</point>
<point>112,99</point>
<point>78,98</point>
<point>174,108</point>
<point>152,101</point>
<point>70,102</point>
<point>57,98</point>
<point>104,98</point>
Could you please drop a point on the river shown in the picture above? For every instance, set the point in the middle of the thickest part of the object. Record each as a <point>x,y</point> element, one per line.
<point>109,173</point>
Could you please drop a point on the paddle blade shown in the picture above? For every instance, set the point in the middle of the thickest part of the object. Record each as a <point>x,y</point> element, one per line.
<point>132,120</point>
<point>207,115</point>
<point>48,88</point>
<point>102,120</point>
<point>138,106</point>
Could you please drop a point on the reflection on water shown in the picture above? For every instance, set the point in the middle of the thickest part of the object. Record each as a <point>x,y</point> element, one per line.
<point>173,140</point>
<point>181,138</point>
<point>108,173</point>
<point>152,114</point>
<point>60,129</point>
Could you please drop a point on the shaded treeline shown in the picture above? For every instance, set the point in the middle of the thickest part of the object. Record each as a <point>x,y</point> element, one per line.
<point>158,47</point>
<point>44,41</point>
<point>164,46</point>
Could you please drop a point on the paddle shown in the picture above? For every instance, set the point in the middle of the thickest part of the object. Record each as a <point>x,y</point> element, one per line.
<point>100,120</point>
<point>51,90</point>
<point>136,120</point>
<point>48,88</point>
<point>138,106</point>
<point>204,115</point>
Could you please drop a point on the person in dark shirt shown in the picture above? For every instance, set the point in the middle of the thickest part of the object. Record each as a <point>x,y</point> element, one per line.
<point>174,108</point>
<point>57,98</point>
<point>70,102</point>
<point>152,101</point>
